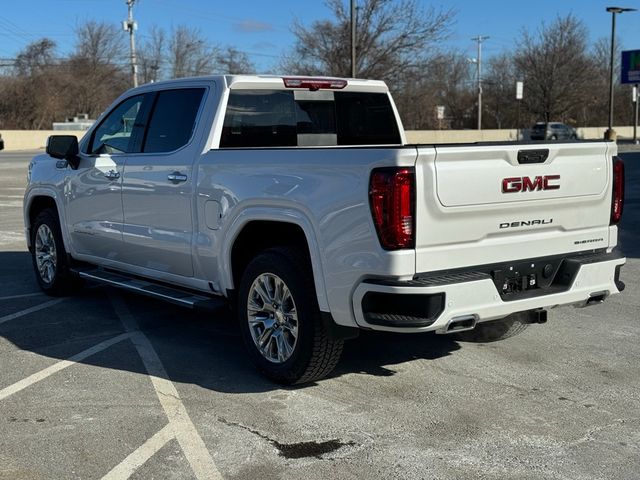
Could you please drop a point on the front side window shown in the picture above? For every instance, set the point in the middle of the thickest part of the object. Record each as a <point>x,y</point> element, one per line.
<point>118,131</point>
<point>173,118</point>
<point>287,118</point>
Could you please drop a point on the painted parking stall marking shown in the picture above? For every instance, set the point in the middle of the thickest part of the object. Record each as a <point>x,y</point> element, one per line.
<point>180,424</point>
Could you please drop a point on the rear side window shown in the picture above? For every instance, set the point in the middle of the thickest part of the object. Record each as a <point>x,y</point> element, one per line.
<point>261,118</point>
<point>365,119</point>
<point>286,118</point>
<point>172,119</point>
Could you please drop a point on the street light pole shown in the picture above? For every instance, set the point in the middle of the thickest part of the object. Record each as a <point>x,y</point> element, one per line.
<point>610,133</point>
<point>636,98</point>
<point>130,25</point>
<point>479,39</point>
<point>353,38</point>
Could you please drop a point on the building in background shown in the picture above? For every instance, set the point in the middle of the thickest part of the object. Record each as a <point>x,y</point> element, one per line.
<point>80,122</point>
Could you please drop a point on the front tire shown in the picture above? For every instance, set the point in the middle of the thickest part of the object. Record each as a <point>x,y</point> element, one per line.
<point>497,329</point>
<point>280,319</point>
<point>49,256</point>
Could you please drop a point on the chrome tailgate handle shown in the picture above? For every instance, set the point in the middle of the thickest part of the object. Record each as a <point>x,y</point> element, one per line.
<point>112,175</point>
<point>177,177</point>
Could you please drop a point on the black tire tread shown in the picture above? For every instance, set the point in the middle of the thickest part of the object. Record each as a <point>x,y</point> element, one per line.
<point>65,282</point>
<point>325,351</point>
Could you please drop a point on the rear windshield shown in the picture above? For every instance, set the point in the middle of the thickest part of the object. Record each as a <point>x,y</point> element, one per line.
<point>286,118</point>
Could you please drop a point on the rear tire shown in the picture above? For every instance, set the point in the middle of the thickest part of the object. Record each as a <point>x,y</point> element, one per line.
<point>49,256</point>
<point>497,329</point>
<point>280,319</point>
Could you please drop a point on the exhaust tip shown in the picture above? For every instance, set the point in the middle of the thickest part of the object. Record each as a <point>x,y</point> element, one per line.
<point>596,298</point>
<point>462,323</point>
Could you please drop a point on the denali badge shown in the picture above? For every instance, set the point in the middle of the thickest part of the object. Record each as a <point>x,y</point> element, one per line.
<point>526,184</point>
<point>526,223</point>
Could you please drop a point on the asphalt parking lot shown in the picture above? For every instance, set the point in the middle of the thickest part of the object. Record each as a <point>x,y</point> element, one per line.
<point>110,385</point>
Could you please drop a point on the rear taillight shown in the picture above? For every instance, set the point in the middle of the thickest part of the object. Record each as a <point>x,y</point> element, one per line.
<point>392,199</point>
<point>617,202</point>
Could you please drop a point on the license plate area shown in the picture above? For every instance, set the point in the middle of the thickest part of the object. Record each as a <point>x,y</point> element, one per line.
<point>528,278</point>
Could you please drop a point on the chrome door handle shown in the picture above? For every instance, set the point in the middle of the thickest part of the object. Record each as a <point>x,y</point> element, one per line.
<point>177,177</point>
<point>112,175</point>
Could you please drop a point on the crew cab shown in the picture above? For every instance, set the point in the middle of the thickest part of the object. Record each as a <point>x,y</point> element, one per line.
<point>298,202</point>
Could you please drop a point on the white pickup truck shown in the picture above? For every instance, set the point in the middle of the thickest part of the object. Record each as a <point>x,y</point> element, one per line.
<point>299,203</point>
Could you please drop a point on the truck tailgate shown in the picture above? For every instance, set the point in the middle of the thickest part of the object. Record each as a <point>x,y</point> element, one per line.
<point>484,204</point>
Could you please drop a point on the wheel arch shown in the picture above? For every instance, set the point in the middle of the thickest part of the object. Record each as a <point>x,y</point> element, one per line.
<point>37,201</point>
<point>243,241</point>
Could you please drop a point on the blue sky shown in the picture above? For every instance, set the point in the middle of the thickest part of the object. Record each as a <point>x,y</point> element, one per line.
<point>262,28</point>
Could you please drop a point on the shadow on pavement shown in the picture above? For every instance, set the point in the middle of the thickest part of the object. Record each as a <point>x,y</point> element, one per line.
<point>194,348</point>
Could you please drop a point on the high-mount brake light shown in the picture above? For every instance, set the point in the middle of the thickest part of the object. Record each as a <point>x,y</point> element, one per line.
<point>392,200</point>
<point>617,197</point>
<point>314,84</point>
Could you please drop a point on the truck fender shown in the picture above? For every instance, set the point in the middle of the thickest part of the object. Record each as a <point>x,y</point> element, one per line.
<point>30,196</point>
<point>283,215</point>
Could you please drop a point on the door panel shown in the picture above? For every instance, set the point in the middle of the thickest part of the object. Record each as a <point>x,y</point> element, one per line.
<point>157,187</point>
<point>93,193</point>
<point>94,206</point>
<point>157,221</point>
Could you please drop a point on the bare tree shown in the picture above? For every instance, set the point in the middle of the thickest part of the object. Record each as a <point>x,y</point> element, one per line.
<point>442,81</point>
<point>151,58</point>
<point>500,92</point>
<point>97,68</point>
<point>189,53</point>
<point>394,36</point>
<point>36,57</point>
<point>231,60</point>
<point>557,69</point>
<point>29,99</point>
<point>100,43</point>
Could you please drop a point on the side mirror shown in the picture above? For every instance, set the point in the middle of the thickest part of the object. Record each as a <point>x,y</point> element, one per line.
<point>64,147</point>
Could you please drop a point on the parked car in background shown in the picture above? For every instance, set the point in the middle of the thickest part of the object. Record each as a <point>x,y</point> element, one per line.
<point>553,131</point>
<point>1,143</point>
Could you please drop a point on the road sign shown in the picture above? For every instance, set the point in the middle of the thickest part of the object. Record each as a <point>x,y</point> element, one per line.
<point>630,66</point>
<point>519,90</point>
<point>440,112</point>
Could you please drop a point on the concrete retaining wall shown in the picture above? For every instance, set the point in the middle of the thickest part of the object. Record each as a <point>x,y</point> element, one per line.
<point>31,139</point>
<point>37,139</point>
<point>469,136</point>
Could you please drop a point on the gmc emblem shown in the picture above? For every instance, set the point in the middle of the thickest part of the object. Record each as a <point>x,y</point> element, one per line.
<point>526,184</point>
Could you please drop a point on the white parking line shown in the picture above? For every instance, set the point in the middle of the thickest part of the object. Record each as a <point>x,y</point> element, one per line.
<point>47,372</point>
<point>143,453</point>
<point>24,295</point>
<point>22,313</point>
<point>181,425</point>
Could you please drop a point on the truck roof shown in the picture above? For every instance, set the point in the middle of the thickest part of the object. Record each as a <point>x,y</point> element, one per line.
<point>272,82</point>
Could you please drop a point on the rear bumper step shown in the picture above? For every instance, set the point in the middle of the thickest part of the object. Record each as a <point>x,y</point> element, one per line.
<point>447,302</point>
<point>178,296</point>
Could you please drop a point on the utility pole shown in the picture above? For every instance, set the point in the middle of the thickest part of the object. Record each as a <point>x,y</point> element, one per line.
<point>636,98</point>
<point>131,26</point>
<point>353,38</point>
<point>610,134</point>
<point>479,39</point>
